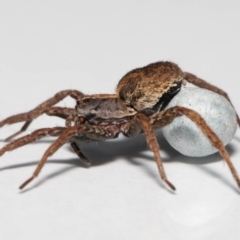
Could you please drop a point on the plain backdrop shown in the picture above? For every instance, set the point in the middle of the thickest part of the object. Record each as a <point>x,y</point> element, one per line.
<point>48,46</point>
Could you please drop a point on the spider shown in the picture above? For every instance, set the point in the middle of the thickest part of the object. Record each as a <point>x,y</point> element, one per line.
<point>137,106</point>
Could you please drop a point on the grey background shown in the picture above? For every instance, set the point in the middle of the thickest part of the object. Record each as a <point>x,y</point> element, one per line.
<point>48,46</point>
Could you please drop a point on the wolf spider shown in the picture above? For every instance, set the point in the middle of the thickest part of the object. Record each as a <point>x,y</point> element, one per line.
<point>138,106</point>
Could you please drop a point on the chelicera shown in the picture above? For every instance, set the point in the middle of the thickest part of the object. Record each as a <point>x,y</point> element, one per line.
<point>138,106</point>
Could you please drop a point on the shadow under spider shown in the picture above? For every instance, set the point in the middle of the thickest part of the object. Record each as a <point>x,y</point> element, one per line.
<point>131,149</point>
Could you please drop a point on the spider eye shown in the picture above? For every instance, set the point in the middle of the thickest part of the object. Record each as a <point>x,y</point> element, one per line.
<point>86,100</point>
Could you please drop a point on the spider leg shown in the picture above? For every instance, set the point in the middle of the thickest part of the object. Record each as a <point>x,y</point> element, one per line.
<point>78,151</point>
<point>61,112</point>
<point>141,123</point>
<point>89,132</point>
<point>23,128</point>
<point>52,111</point>
<point>38,134</point>
<point>191,78</point>
<point>28,117</point>
<point>166,117</point>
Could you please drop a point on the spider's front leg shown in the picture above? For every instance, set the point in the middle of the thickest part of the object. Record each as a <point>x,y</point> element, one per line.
<point>72,134</point>
<point>61,112</point>
<point>35,135</point>
<point>28,117</point>
<point>38,134</point>
<point>164,118</point>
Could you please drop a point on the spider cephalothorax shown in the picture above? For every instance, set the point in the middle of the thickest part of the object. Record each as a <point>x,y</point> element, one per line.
<point>138,106</point>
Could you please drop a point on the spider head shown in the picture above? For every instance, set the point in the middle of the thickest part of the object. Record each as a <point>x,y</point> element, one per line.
<point>87,106</point>
<point>102,107</point>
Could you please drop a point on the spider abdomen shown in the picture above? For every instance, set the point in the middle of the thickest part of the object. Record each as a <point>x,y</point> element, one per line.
<point>144,88</point>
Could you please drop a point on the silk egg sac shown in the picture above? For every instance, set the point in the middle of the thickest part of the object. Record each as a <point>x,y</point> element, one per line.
<point>184,135</point>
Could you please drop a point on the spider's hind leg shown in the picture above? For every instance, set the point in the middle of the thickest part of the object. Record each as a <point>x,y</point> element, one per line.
<point>191,78</point>
<point>164,118</point>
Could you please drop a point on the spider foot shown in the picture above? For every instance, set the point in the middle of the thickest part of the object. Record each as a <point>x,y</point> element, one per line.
<point>27,182</point>
<point>169,184</point>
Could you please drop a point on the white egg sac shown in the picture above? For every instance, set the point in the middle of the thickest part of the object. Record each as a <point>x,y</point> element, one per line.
<point>184,135</point>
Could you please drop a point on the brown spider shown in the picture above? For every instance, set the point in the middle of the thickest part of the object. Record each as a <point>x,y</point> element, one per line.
<point>136,107</point>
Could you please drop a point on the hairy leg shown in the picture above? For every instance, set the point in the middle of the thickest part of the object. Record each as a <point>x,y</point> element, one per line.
<point>32,137</point>
<point>84,132</point>
<point>191,78</point>
<point>166,117</point>
<point>140,123</point>
<point>38,134</point>
<point>28,117</point>
<point>61,112</point>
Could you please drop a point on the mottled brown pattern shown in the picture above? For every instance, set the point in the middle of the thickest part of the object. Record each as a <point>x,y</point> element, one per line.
<point>136,107</point>
<point>143,87</point>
